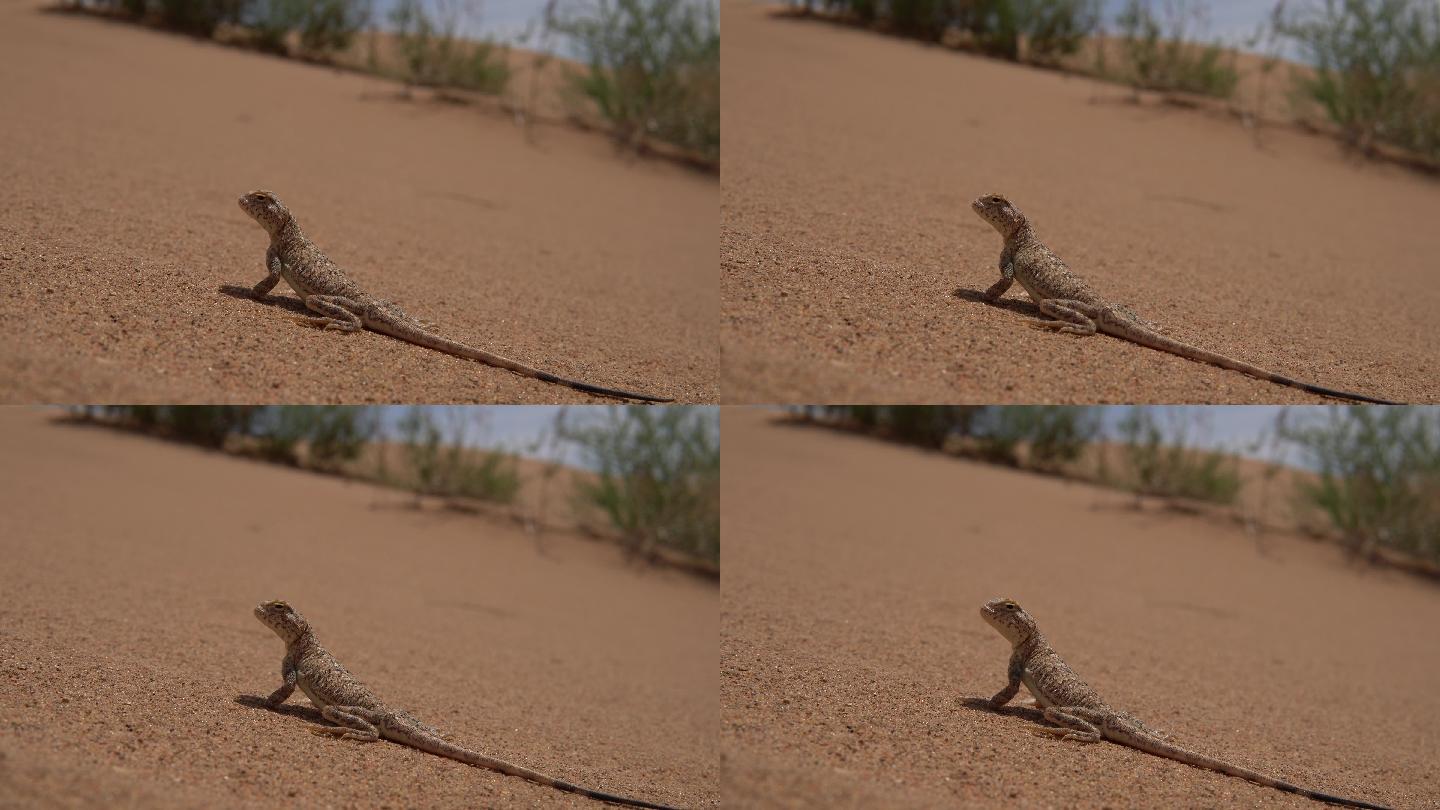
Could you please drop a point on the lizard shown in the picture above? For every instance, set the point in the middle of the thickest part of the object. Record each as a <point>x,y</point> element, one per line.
<point>359,715</point>
<point>1074,308</point>
<point>1079,712</point>
<point>342,305</point>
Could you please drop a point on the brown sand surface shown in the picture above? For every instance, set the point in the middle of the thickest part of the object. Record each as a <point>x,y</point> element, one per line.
<point>125,150</point>
<point>850,637</point>
<point>131,567</point>
<point>850,162</point>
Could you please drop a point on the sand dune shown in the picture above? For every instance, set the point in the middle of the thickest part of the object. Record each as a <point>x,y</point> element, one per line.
<point>850,635</point>
<point>125,150</point>
<point>130,569</point>
<point>850,161</point>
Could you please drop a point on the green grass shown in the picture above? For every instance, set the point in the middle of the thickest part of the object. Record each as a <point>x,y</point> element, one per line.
<point>652,69</point>
<point>1377,69</point>
<point>1162,460</point>
<point>1378,475</point>
<point>1157,52</point>
<point>657,474</point>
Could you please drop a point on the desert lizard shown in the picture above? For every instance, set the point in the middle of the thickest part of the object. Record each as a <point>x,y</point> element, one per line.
<point>1075,309</point>
<point>1082,715</point>
<point>343,306</point>
<point>359,715</point>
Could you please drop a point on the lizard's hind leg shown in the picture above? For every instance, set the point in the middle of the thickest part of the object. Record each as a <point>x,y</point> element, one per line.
<point>337,311</point>
<point>351,723</point>
<point>1075,723</point>
<point>1074,317</point>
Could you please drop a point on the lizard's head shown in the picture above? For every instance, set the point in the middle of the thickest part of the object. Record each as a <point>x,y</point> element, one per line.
<point>1009,619</point>
<point>1002,214</point>
<point>287,623</point>
<point>265,208</point>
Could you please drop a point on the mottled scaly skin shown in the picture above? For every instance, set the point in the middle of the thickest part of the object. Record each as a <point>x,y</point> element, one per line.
<point>1077,310</point>
<point>1080,714</point>
<point>343,306</point>
<point>359,715</point>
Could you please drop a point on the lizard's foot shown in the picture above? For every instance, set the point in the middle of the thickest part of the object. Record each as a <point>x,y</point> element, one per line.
<point>1065,733</point>
<point>343,733</point>
<point>326,324</point>
<point>335,311</point>
<point>1060,326</point>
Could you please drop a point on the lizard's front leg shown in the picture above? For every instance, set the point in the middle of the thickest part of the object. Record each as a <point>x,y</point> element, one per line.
<point>1007,277</point>
<point>351,723</point>
<point>288,674</point>
<point>1076,723</point>
<point>1074,317</point>
<point>272,275</point>
<point>1016,673</point>
<point>338,312</point>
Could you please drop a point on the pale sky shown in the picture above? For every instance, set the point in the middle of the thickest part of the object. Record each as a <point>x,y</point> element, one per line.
<point>1229,20</point>
<point>514,427</point>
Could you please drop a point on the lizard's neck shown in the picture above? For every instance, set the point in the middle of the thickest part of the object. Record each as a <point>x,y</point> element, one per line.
<point>1023,233</point>
<point>289,233</point>
<point>306,639</point>
<point>1031,645</point>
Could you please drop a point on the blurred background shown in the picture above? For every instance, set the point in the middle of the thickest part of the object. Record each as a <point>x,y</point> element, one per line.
<point>646,71</point>
<point>646,479</point>
<point>1365,478</point>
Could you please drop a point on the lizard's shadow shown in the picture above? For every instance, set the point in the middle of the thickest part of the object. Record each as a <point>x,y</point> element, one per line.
<point>1024,712</point>
<point>246,294</point>
<point>1017,305</point>
<point>309,713</point>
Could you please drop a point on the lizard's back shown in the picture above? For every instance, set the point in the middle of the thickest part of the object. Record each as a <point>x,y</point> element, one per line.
<point>1045,275</point>
<point>327,683</point>
<point>309,271</point>
<point>1053,683</point>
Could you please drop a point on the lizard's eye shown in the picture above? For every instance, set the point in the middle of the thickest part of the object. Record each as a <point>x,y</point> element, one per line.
<point>1011,606</point>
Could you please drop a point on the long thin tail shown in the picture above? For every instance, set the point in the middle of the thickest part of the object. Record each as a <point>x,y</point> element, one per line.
<point>1160,748</point>
<point>439,747</point>
<point>420,337</point>
<point>1129,330</point>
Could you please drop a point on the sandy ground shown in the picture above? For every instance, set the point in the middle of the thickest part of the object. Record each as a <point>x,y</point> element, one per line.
<point>130,570</point>
<point>850,637</point>
<point>124,153</point>
<point>851,159</point>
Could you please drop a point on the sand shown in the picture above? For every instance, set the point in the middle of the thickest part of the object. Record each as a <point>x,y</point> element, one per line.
<point>850,637</point>
<point>125,151</point>
<point>131,565</point>
<point>850,159</point>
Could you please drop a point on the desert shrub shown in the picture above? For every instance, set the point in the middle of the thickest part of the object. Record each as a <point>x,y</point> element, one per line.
<point>1160,459</point>
<point>924,425</point>
<point>1056,28</point>
<point>923,19</point>
<point>657,475</point>
<point>331,25</point>
<point>994,27</point>
<point>652,68</point>
<point>1376,68</point>
<point>271,22</point>
<point>200,17</point>
<point>330,434</point>
<point>494,477</point>
<point>1048,29</point>
<point>443,462</point>
<point>425,444</point>
<point>208,425</point>
<point>1051,435</point>
<point>1160,54</point>
<point>435,55</point>
<point>1378,475</point>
